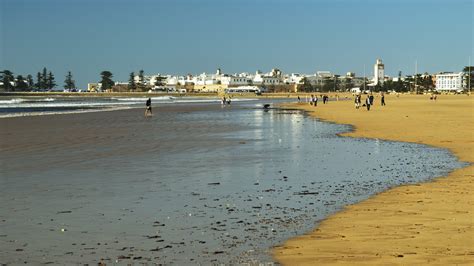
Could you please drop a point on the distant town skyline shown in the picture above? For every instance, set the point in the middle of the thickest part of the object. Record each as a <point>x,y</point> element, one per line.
<point>190,36</point>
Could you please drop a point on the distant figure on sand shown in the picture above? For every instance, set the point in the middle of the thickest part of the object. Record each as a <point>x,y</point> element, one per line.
<point>357,101</point>
<point>148,108</point>
<point>371,98</point>
<point>367,103</point>
<point>223,101</point>
<point>325,99</point>
<point>314,100</point>
<point>299,99</point>
<point>382,100</point>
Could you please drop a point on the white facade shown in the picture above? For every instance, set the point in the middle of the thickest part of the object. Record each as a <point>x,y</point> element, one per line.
<point>449,81</point>
<point>205,79</point>
<point>294,78</point>
<point>324,74</point>
<point>235,80</point>
<point>266,80</point>
<point>378,72</point>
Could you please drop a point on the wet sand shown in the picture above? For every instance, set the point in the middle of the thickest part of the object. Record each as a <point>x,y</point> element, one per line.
<point>411,224</point>
<point>194,184</point>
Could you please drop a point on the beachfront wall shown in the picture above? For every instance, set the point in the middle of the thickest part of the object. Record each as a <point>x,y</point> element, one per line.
<point>94,87</point>
<point>282,88</point>
<point>219,88</point>
<point>449,82</point>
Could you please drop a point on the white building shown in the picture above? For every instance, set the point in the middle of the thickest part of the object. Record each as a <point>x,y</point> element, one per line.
<point>267,79</point>
<point>378,72</point>
<point>324,74</point>
<point>235,80</point>
<point>449,81</point>
<point>294,78</point>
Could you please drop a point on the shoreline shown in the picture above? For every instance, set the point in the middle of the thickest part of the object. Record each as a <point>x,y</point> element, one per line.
<point>291,95</point>
<point>430,222</point>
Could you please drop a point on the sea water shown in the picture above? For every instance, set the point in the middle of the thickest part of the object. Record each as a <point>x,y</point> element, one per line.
<point>194,184</point>
<point>40,105</point>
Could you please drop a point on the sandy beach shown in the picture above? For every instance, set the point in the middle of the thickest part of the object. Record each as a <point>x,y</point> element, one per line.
<point>428,223</point>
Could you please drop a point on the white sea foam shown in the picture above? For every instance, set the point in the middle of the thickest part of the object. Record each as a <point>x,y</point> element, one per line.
<point>22,100</point>
<point>62,104</point>
<point>47,100</point>
<point>12,101</point>
<point>79,111</point>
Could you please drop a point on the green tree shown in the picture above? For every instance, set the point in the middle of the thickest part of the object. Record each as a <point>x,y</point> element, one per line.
<point>348,84</point>
<point>29,80</point>
<point>141,80</point>
<point>306,85</point>
<point>39,81</point>
<point>388,85</point>
<point>409,83</point>
<point>131,82</point>
<point>44,78</point>
<point>377,87</point>
<point>69,83</point>
<point>328,84</point>
<point>21,84</point>
<point>427,82</point>
<point>336,82</point>
<point>418,84</point>
<point>50,83</point>
<point>399,86</point>
<point>106,81</point>
<point>7,79</point>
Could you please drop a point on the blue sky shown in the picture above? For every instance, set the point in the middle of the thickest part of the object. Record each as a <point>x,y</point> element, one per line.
<point>195,36</point>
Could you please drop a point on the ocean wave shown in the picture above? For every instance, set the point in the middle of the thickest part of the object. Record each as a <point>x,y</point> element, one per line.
<point>80,111</point>
<point>12,101</point>
<point>46,100</point>
<point>23,100</point>
<point>62,104</point>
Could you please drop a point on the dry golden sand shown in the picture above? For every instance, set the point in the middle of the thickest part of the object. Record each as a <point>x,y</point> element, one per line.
<point>429,223</point>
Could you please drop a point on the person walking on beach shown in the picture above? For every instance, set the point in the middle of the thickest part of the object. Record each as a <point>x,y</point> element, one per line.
<point>371,98</point>
<point>299,99</point>
<point>382,100</point>
<point>367,103</point>
<point>148,108</point>
<point>223,101</point>
<point>357,101</point>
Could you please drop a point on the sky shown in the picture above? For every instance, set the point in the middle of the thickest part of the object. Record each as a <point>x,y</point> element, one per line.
<point>196,36</point>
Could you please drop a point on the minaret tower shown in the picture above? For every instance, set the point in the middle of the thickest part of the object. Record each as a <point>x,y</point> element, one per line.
<point>378,72</point>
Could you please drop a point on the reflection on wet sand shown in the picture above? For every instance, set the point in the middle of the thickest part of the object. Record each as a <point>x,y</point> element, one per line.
<point>193,184</point>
